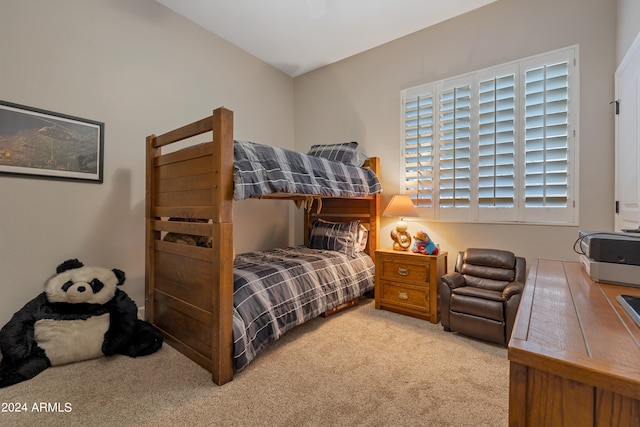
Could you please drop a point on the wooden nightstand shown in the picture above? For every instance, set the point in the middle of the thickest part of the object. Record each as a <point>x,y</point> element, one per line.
<point>409,283</point>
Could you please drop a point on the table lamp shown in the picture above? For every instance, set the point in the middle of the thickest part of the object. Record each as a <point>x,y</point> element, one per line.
<point>400,205</point>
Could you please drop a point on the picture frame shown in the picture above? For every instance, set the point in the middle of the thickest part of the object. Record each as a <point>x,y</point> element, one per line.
<point>44,144</point>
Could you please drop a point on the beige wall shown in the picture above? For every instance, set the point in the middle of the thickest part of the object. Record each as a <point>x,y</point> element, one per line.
<point>359,99</point>
<point>628,26</point>
<point>140,69</point>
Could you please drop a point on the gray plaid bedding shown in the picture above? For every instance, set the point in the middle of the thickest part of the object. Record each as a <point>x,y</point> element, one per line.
<point>278,289</point>
<point>260,170</point>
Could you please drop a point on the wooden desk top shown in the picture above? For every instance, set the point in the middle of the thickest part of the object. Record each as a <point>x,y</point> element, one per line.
<point>573,327</point>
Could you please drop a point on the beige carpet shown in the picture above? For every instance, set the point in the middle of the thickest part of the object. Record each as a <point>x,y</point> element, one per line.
<point>362,367</point>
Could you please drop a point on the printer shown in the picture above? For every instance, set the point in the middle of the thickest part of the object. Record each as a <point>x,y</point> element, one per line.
<point>611,257</point>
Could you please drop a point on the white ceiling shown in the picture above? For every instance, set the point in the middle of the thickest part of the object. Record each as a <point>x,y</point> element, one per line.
<point>297,36</point>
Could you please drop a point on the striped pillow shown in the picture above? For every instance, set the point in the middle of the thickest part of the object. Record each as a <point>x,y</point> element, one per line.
<point>340,237</point>
<point>344,152</point>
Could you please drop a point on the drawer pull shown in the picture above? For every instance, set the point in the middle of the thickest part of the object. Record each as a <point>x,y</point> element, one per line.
<point>403,271</point>
<point>403,295</point>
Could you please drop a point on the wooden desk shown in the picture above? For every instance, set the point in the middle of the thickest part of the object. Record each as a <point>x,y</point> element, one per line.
<point>574,352</point>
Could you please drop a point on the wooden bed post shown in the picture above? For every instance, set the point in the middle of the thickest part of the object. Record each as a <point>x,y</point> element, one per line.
<point>150,234</point>
<point>222,240</point>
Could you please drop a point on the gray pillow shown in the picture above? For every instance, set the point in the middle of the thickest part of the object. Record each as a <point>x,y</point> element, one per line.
<point>334,236</point>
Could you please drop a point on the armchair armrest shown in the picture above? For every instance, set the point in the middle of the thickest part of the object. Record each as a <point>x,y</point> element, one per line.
<point>449,281</point>
<point>511,295</point>
<point>454,280</point>
<point>513,288</point>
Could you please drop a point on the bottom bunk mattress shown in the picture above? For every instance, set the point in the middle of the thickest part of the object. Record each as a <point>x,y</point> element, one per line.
<point>278,289</point>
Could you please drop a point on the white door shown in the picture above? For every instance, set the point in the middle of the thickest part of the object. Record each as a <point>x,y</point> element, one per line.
<point>628,140</point>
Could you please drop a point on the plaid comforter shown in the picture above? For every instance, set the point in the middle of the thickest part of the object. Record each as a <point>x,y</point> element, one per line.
<point>260,170</point>
<point>278,289</point>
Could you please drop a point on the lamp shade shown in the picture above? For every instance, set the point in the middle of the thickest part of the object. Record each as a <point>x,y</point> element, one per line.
<point>400,205</point>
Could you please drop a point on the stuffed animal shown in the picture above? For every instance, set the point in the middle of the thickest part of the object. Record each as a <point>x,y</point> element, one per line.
<point>422,244</point>
<point>80,315</point>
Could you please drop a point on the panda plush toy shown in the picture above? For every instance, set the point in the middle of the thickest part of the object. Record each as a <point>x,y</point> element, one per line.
<point>81,315</point>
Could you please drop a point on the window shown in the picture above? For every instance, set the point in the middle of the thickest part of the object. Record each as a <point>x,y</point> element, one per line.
<point>496,145</point>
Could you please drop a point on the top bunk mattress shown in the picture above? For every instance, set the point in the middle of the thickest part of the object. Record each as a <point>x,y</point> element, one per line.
<point>261,170</point>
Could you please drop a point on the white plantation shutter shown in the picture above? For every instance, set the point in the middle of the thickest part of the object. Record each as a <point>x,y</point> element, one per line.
<point>546,135</point>
<point>418,146</point>
<point>497,152</point>
<point>549,149</point>
<point>503,140</point>
<point>454,158</point>
<point>496,142</point>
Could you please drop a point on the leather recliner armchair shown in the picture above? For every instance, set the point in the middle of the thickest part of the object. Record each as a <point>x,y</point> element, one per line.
<point>481,297</point>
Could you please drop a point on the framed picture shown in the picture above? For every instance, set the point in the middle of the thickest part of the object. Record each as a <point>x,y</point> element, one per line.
<point>44,144</point>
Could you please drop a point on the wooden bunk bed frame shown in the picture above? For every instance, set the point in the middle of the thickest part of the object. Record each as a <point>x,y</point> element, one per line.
<point>189,289</point>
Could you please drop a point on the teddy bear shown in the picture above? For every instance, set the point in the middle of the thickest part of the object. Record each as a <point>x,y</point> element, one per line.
<point>80,315</point>
<point>422,244</point>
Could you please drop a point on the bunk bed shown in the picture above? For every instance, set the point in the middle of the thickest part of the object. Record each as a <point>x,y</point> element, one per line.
<point>190,190</point>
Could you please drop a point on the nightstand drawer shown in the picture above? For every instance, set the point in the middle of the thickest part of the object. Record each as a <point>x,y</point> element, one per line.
<point>395,269</point>
<point>410,296</point>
